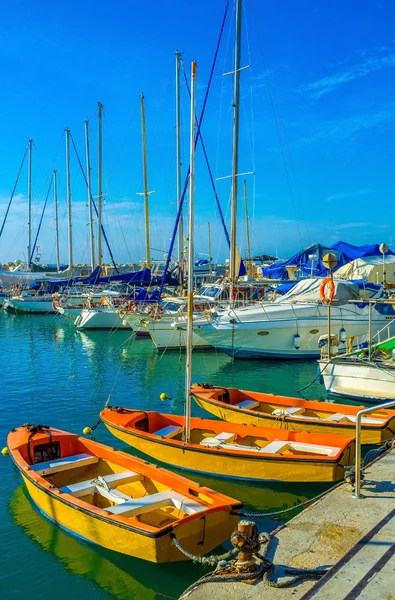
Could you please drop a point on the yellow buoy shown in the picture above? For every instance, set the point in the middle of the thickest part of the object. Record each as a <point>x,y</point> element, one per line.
<point>163,396</point>
<point>5,451</point>
<point>87,431</point>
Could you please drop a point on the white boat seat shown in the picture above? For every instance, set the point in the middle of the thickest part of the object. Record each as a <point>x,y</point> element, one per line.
<point>275,447</point>
<point>366,420</point>
<point>64,464</point>
<point>89,487</point>
<point>152,502</point>
<point>169,432</point>
<point>290,410</point>
<point>352,419</point>
<point>250,404</point>
<point>218,440</point>
<point>271,448</point>
<point>314,448</point>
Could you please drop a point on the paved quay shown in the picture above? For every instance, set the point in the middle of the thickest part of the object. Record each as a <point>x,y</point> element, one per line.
<point>355,538</point>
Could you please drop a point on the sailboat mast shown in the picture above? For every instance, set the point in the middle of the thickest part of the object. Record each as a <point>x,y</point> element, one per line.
<point>29,202</point>
<point>146,193</point>
<point>88,179</point>
<point>100,109</point>
<point>247,222</point>
<point>188,374</point>
<point>178,161</point>
<point>209,249</point>
<point>68,185</point>
<point>55,200</point>
<point>235,159</point>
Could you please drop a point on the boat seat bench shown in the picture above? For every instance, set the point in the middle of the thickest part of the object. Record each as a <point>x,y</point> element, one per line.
<point>138,506</point>
<point>274,447</point>
<point>352,419</point>
<point>64,464</point>
<point>289,410</point>
<point>169,432</point>
<point>89,486</point>
<point>250,404</point>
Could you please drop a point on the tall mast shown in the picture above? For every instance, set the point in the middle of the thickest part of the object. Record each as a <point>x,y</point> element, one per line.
<point>146,192</point>
<point>55,200</point>
<point>29,201</point>
<point>178,161</point>
<point>68,185</point>
<point>235,160</point>
<point>191,234</point>
<point>88,179</point>
<point>209,249</point>
<point>100,109</point>
<point>247,222</point>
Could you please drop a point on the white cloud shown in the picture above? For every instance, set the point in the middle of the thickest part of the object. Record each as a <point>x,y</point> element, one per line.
<point>319,88</point>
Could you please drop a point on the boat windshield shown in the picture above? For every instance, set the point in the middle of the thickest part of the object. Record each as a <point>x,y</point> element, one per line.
<point>209,291</point>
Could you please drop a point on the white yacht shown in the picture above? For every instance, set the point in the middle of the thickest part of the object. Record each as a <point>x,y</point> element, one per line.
<point>291,325</point>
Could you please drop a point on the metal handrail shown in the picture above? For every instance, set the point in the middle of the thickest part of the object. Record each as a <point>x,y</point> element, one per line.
<point>377,407</point>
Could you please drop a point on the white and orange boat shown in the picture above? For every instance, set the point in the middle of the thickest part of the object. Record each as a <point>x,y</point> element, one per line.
<point>118,501</point>
<point>284,412</point>
<point>230,450</point>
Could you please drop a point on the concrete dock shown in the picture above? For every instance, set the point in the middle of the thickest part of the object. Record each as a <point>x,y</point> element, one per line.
<point>355,538</point>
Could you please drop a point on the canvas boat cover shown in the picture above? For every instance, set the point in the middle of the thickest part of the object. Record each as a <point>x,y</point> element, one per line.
<point>308,290</point>
<point>315,267</point>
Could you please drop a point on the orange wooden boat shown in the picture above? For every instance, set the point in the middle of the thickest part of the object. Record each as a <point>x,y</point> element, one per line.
<point>232,450</point>
<point>116,500</point>
<point>284,412</point>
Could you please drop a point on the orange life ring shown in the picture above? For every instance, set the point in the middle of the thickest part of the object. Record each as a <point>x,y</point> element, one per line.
<point>55,303</point>
<point>327,299</point>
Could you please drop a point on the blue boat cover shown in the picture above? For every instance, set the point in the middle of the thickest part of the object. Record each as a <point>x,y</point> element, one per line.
<point>344,252</point>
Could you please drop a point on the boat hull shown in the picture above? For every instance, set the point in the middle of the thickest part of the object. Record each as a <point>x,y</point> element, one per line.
<point>359,380</point>
<point>205,533</point>
<point>275,337</point>
<point>100,319</point>
<point>167,337</point>
<point>29,307</point>
<point>231,466</point>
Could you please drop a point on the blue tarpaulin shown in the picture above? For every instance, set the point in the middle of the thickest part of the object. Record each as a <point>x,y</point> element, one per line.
<point>307,266</point>
<point>359,251</point>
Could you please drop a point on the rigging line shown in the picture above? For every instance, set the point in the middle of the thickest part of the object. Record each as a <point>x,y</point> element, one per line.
<point>13,192</point>
<point>94,206</point>
<point>273,106</point>
<point>122,145</point>
<point>252,125</point>
<point>40,223</point>
<point>197,136</point>
<point>209,169</point>
<point>222,94</point>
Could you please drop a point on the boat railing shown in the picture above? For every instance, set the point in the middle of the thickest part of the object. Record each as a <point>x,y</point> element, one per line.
<point>360,414</point>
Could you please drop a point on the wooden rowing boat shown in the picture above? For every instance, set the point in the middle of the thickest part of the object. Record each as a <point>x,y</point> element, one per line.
<point>116,500</point>
<point>283,412</point>
<point>232,450</point>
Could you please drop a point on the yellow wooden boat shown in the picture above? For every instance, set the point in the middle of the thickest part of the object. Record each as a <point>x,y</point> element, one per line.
<point>283,412</point>
<point>232,450</point>
<point>116,500</point>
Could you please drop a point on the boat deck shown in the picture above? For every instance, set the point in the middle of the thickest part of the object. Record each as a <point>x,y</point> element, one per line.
<point>355,537</point>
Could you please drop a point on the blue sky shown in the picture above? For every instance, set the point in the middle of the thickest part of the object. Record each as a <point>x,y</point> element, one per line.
<point>317,118</point>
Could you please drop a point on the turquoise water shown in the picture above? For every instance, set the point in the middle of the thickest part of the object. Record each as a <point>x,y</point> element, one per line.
<point>53,375</point>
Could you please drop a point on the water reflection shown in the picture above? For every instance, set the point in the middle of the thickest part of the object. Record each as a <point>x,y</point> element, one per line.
<point>112,572</point>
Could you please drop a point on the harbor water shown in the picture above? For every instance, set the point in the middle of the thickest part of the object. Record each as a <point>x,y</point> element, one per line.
<point>54,375</point>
